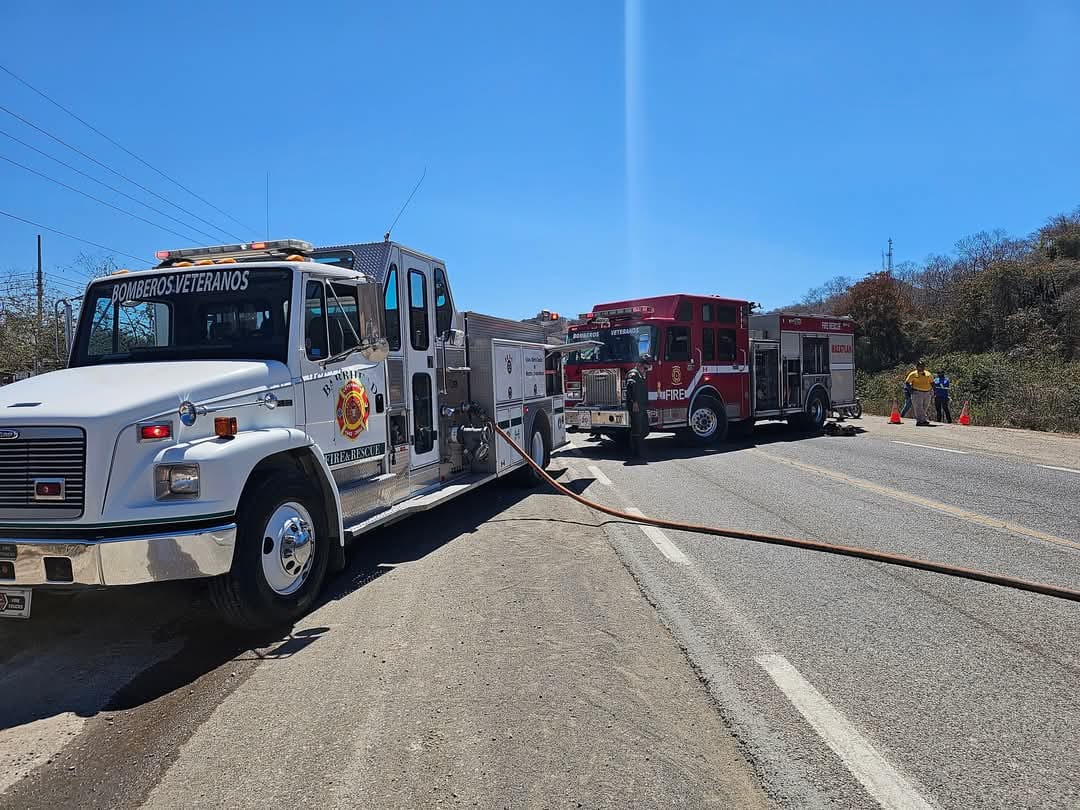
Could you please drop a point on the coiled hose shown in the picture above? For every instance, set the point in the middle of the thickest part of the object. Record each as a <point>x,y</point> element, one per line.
<point>810,545</point>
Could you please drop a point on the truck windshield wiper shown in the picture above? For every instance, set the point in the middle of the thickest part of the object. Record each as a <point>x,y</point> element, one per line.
<point>339,356</point>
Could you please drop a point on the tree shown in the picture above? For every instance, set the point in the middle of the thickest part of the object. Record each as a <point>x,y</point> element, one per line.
<point>27,346</point>
<point>878,305</point>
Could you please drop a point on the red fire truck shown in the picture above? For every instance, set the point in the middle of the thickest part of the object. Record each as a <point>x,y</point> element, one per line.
<point>713,365</point>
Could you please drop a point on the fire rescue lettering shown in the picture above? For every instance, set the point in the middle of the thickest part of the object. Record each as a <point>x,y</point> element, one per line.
<point>180,284</point>
<point>355,454</point>
<point>672,393</point>
<point>841,348</point>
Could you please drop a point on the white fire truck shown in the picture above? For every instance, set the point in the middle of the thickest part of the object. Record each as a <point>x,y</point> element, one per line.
<point>712,365</point>
<point>240,412</point>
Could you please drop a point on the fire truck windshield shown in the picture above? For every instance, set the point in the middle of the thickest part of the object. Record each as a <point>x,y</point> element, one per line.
<point>212,314</point>
<point>620,344</point>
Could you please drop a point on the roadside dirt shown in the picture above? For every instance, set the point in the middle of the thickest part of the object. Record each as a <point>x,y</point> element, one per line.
<point>1055,449</point>
<point>494,653</point>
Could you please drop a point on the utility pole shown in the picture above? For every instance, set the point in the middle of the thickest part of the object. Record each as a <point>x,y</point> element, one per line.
<point>40,288</point>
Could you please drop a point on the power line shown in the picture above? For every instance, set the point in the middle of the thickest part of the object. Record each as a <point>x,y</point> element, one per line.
<point>123,148</point>
<point>122,176</point>
<point>92,197</point>
<point>106,185</point>
<point>69,236</point>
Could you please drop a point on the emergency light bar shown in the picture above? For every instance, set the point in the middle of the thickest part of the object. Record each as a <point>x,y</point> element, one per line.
<point>610,313</point>
<point>244,250</point>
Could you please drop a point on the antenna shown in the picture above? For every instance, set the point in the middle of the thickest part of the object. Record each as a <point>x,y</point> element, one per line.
<point>889,255</point>
<point>268,206</point>
<point>386,236</point>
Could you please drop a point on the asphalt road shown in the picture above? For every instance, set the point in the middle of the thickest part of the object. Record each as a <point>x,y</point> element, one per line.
<point>515,649</point>
<point>850,683</point>
<point>495,653</point>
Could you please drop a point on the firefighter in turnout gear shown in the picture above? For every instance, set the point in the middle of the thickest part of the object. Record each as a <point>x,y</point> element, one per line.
<point>637,406</point>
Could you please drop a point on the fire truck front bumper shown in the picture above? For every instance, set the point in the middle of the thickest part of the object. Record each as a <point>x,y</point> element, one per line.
<point>595,418</point>
<point>126,560</point>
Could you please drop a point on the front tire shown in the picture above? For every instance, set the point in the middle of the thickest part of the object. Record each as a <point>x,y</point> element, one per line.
<point>281,556</point>
<point>708,421</point>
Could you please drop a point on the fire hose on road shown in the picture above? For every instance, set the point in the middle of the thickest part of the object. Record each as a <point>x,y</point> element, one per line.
<point>810,545</point>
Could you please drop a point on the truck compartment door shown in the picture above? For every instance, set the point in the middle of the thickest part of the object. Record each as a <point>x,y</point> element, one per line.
<point>766,378</point>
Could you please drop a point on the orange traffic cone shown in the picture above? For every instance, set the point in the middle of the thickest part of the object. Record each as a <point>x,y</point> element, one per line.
<point>965,418</point>
<point>894,417</point>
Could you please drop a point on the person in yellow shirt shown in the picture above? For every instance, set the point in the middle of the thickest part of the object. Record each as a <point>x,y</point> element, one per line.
<point>922,386</point>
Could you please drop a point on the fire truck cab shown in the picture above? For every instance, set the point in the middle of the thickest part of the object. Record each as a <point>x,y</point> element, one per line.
<point>239,412</point>
<point>712,365</point>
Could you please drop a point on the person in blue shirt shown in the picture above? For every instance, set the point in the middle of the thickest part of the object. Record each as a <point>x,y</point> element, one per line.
<point>941,397</point>
<point>907,400</point>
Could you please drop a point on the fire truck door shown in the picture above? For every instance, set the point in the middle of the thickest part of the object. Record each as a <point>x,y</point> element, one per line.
<point>766,377</point>
<point>422,396</point>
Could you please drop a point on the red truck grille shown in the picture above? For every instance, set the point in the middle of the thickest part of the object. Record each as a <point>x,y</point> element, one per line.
<point>601,386</point>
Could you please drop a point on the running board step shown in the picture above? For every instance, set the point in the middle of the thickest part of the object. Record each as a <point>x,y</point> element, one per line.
<point>427,499</point>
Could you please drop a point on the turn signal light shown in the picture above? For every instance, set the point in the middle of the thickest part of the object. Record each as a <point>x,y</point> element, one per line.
<point>155,432</point>
<point>48,489</point>
<point>225,426</point>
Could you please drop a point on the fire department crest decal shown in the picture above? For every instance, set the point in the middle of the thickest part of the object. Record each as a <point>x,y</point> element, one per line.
<point>353,408</point>
<point>509,364</point>
<point>676,375</point>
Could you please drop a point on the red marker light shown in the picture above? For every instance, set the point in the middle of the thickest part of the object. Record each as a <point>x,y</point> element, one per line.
<point>48,489</point>
<point>153,433</point>
<point>162,254</point>
<point>258,245</point>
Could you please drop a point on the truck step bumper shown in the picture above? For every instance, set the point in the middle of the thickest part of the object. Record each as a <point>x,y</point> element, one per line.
<point>118,561</point>
<point>588,418</point>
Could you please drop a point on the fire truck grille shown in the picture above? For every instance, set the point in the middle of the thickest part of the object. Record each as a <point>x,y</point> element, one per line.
<point>602,386</point>
<point>42,472</point>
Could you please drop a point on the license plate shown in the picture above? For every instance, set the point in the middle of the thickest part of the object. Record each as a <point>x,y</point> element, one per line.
<point>15,603</point>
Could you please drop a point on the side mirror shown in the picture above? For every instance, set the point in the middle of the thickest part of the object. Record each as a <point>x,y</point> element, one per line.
<point>376,350</point>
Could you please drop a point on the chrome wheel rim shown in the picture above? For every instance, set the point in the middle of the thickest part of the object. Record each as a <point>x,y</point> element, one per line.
<point>288,548</point>
<point>817,411</point>
<point>704,422</point>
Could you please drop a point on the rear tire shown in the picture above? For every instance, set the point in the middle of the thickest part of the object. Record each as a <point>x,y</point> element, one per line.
<point>813,418</point>
<point>281,556</point>
<point>539,450</point>
<point>708,421</point>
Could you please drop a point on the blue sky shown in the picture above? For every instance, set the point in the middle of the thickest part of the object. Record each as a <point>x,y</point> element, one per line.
<point>575,152</point>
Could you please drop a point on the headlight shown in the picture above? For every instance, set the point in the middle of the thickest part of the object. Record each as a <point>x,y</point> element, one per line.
<point>176,481</point>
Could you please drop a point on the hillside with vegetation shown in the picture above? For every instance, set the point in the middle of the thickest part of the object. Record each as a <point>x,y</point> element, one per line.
<point>1000,315</point>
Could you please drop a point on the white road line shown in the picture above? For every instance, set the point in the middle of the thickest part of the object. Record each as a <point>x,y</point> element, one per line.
<point>599,476</point>
<point>1062,469</point>
<point>881,780</point>
<point>661,541</point>
<point>931,447</point>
